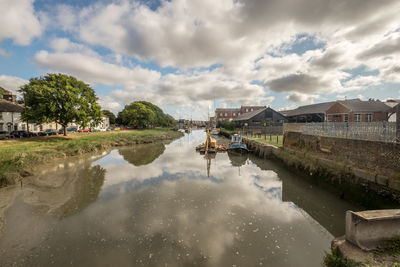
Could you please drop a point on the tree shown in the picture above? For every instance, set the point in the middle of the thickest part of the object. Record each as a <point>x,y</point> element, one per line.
<point>110,115</point>
<point>138,114</point>
<point>2,92</point>
<point>136,111</point>
<point>62,99</point>
<point>161,119</point>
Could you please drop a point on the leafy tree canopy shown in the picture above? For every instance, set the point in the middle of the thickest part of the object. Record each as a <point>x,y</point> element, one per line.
<point>110,115</point>
<point>62,99</point>
<point>144,114</point>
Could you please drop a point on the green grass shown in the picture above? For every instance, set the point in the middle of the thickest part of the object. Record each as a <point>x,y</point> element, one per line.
<point>20,155</point>
<point>333,260</point>
<point>275,140</point>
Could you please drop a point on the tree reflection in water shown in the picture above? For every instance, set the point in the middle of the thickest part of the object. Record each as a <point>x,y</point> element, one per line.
<point>142,154</point>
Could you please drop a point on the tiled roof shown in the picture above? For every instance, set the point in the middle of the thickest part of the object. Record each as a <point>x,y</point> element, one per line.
<point>7,106</point>
<point>249,115</point>
<point>365,106</point>
<point>309,109</point>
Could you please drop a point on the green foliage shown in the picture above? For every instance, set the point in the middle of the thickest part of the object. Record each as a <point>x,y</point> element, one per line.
<point>2,92</point>
<point>110,115</point>
<point>333,260</point>
<point>62,99</point>
<point>229,125</point>
<point>145,114</point>
<point>391,247</point>
<point>138,114</point>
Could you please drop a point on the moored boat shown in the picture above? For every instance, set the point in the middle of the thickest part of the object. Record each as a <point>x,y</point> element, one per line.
<point>236,145</point>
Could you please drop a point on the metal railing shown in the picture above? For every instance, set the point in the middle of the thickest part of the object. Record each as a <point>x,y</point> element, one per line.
<point>372,131</point>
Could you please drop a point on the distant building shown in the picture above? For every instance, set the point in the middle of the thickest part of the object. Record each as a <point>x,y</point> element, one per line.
<point>223,114</point>
<point>352,110</point>
<point>261,117</point>
<point>308,113</point>
<point>358,111</point>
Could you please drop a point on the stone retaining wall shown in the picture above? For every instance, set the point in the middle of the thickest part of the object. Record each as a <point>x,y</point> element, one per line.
<point>371,160</point>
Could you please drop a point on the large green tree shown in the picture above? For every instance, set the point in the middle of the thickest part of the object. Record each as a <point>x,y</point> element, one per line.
<point>144,114</point>
<point>62,99</point>
<point>138,114</point>
<point>110,115</point>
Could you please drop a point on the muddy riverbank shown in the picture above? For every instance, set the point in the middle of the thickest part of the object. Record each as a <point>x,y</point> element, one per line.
<point>20,158</point>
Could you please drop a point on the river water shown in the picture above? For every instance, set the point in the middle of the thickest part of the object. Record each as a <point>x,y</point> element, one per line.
<point>166,205</point>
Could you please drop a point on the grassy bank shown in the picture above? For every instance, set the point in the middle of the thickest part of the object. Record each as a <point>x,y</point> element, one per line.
<point>275,140</point>
<point>19,156</point>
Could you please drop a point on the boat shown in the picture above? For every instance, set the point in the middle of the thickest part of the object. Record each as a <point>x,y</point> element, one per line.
<point>236,145</point>
<point>210,146</point>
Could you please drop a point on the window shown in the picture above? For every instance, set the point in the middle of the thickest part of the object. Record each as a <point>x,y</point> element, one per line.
<point>23,127</point>
<point>1,115</point>
<point>357,117</point>
<point>251,110</point>
<point>239,114</point>
<point>346,117</point>
<point>226,114</point>
<point>329,118</point>
<point>15,127</point>
<point>222,114</point>
<point>247,110</point>
<point>368,118</point>
<point>234,114</point>
<point>1,127</point>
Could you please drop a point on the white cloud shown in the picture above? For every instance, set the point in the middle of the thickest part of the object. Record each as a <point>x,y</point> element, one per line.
<point>241,47</point>
<point>18,21</point>
<point>93,69</point>
<point>302,98</point>
<point>12,83</point>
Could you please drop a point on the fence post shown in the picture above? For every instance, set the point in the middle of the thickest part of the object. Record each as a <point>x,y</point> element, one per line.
<point>398,123</point>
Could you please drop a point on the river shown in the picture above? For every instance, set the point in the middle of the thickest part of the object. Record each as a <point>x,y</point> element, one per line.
<point>166,205</point>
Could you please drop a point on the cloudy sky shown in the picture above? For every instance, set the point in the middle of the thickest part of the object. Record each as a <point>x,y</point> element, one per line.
<point>184,54</point>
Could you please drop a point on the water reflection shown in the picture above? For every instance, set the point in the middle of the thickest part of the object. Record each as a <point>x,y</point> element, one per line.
<point>142,154</point>
<point>182,209</point>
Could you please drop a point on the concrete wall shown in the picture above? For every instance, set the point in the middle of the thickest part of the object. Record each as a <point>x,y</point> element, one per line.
<point>293,127</point>
<point>376,162</point>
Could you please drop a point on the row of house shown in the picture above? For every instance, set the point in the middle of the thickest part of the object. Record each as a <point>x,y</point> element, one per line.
<point>10,118</point>
<point>352,110</point>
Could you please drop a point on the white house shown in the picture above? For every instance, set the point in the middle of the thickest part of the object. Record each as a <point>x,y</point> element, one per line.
<point>10,117</point>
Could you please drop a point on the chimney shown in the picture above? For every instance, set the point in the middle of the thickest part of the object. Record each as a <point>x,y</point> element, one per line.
<point>10,97</point>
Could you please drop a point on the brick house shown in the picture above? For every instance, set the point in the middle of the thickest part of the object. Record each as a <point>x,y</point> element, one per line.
<point>223,114</point>
<point>356,110</point>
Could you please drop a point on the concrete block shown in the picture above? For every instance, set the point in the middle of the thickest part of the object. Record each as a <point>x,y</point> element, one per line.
<point>394,184</point>
<point>363,174</point>
<point>369,229</point>
<point>382,180</point>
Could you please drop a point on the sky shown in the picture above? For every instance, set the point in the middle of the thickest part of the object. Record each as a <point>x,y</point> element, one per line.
<point>190,56</point>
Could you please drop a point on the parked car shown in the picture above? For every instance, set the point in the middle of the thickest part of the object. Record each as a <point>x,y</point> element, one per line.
<point>84,130</point>
<point>48,132</point>
<point>19,134</point>
<point>4,135</point>
<point>72,129</point>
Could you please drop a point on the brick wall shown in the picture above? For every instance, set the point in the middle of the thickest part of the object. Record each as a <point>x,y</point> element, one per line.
<point>379,157</point>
